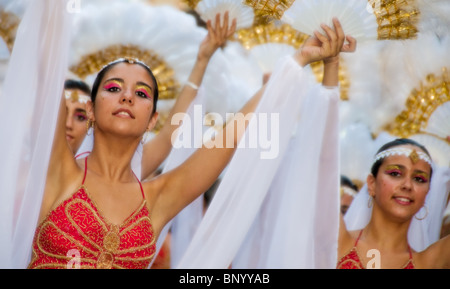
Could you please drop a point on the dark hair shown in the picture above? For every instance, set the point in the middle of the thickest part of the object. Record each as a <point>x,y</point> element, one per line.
<point>394,143</point>
<point>345,181</point>
<point>77,84</point>
<point>108,67</point>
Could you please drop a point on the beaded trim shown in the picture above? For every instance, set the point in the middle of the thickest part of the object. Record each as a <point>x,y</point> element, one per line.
<point>130,60</point>
<point>411,153</point>
<point>348,191</point>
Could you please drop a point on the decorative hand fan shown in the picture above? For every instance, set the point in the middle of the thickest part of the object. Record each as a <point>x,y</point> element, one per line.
<point>355,17</point>
<point>439,121</point>
<point>427,109</point>
<point>267,43</point>
<point>363,19</point>
<point>208,9</point>
<point>270,9</point>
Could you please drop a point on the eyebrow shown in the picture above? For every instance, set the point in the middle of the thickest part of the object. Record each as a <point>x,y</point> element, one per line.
<point>80,110</point>
<point>401,167</point>
<point>114,79</point>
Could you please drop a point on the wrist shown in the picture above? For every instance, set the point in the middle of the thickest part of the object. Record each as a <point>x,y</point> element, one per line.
<point>301,60</point>
<point>192,85</point>
<point>204,57</point>
<point>331,60</point>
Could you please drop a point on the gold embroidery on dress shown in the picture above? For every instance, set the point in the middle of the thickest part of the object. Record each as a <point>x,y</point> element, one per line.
<point>106,254</point>
<point>111,241</point>
<point>65,235</point>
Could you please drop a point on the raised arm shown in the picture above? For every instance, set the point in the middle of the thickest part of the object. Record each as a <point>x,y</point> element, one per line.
<point>188,181</point>
<point>157,150</point>
<point>62,169</point>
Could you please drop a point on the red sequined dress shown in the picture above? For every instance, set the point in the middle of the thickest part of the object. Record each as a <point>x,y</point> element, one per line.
<point>352,260</point>
<point>76,235</point>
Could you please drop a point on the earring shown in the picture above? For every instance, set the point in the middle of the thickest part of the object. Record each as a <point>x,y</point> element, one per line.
<point>426,214</point>
<point>144,137</point>
<point>370,202</point>
<point>89,124</point>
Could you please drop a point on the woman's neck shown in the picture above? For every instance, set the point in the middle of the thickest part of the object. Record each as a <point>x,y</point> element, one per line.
<point>386,234</point>
<point>111,159</point>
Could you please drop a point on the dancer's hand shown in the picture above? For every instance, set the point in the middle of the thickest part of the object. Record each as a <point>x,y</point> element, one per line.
<point>217,35</point>
<point>325,47</point>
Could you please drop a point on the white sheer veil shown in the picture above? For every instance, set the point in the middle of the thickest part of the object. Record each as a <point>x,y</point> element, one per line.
<point>31,95</point>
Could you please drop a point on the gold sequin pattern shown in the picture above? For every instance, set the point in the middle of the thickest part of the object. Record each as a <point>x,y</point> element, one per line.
<point>420,105</point>
<point>191,3</point>
<point>269,10</point>
<point>397,19</point>
<point>270,33</point>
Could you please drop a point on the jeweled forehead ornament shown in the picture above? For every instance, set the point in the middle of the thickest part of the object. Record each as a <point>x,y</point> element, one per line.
<point>413,154</point>
<point>76,97</point>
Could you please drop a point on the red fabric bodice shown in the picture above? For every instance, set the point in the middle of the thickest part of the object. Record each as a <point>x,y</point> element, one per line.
<point>75,233</point>
<point>352,260</point>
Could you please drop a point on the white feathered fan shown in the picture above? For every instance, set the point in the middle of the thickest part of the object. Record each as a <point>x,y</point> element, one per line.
<point>141,31</point>
<point>208,9</point>
<point>267,43</point>
<point>355,17</point>
<point>362,19</point>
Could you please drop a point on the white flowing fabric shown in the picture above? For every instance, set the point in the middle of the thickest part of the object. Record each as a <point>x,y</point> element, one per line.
<point>422,233</point>
<point>30,100</point>
<point>184,225</point>
<point>291,92</point>
<point>297,226</point>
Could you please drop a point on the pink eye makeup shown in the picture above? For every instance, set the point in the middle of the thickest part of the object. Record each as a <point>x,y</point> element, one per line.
<point>112,84</point>
<point>145,90</point>
<point>80,116</point>
<point>422,177</point>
